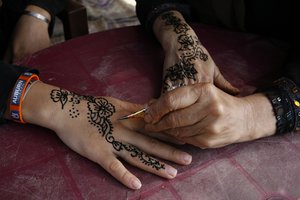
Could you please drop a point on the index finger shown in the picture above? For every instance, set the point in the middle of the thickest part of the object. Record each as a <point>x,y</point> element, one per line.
<point>176,99</point>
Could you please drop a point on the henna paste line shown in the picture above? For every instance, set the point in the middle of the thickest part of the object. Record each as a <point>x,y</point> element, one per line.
<point>190,49</point>
<point>99,113</point>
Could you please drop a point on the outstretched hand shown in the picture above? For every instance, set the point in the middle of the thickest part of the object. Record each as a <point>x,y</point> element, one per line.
<point>89,125</point>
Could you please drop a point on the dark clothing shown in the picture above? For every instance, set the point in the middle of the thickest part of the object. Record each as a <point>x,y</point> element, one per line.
<point>11,11</point>
<point>269,18</point>
<point>273,19</point>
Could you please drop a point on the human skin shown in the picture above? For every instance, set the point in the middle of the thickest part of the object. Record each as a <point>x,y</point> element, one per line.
<point>207,117</point>
<point>201,111</point>
<point>186,60</point>
<point>89,125</point>
<point>30,35</point>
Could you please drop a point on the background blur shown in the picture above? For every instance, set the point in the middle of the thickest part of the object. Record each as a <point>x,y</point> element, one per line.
<point>103,15</point>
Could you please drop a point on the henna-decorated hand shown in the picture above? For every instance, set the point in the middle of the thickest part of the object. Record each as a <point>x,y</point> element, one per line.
<point>207,117</point>
<point>186,59</point>
<point>90,126</point>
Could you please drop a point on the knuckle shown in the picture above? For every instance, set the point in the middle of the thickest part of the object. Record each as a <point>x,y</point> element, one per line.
<point>207,143</point>
<point>205,79</point>
<point>172,121</point>
<point>154,144</point>
<point>209,88</point>
<point>175,133</point>
<point>214,129</point>
<point>173,153</point>
<point>203,89</point>
<point>125,176</point>
<point>168,101</point>
<point>114,166</point>
<point>217,109</point>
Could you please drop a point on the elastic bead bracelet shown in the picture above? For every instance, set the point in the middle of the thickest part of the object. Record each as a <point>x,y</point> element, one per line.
<point>293,92</point>
<point>18,95</point>
<point>284,96</point>
<point>283,110</point>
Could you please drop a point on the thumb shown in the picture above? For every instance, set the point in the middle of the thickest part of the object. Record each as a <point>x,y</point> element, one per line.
<point>223,84</point>
<point>173,100</point>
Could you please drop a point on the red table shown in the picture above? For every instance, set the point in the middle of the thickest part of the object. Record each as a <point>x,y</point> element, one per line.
<point>125,63</point>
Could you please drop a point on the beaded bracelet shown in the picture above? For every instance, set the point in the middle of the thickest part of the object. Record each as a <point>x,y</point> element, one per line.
<point>17,96</point>
<point>293,92</point>
<point>282,108</point>
<point>284,96</point>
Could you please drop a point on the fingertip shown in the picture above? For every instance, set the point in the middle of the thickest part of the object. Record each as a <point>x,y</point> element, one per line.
<point>136,184</point>
<point>171,172</point>
<point>187,158</point>
<point>236,91</point>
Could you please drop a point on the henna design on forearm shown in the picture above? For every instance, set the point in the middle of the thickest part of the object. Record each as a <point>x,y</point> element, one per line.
<point>190,49</point>
<point>99,113</point>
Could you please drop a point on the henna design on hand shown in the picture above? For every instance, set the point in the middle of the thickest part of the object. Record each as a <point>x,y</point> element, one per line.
<point>190,49</point>
<point>176,75</point>
<point>99,113</point>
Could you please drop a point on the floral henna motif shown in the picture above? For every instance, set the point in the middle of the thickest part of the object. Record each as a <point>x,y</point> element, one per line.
<point>190,51</point>
<point>176,74</point>
<point>99,113</point>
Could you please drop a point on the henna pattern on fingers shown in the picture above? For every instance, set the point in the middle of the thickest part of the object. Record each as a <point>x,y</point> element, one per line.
<point>176,75</point>
<point>99,113</point>
<point>190,49</point>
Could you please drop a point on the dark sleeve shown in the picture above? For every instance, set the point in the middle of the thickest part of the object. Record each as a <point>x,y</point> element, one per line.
<point>147,11</point>
<point>8,76</point>
<point>292,66</point>
<point>284,94</point>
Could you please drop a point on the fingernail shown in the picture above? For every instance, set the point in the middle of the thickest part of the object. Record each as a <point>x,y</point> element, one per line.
<point>136,184</point>
<point>187,158</point>
<point>172,171</point>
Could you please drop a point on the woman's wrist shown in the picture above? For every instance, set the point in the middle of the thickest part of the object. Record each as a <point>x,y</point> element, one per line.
<point>37,107</point>
<point>260,116</point>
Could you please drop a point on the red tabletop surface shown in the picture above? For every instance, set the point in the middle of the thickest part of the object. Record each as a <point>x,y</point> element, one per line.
<point>125,63</point>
